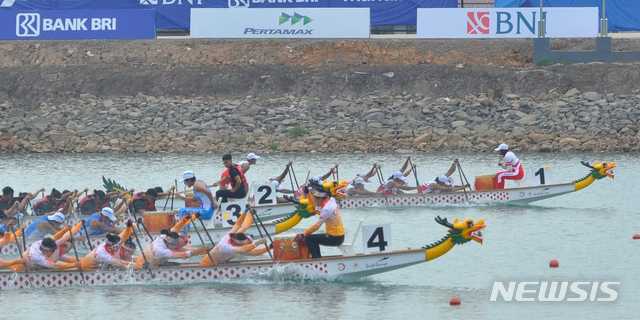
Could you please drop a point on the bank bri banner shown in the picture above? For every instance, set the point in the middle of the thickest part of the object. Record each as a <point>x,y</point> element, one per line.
<point>507,23</point>
<point>77,24</point>
<point>175,14</point>
<point>281,23</point>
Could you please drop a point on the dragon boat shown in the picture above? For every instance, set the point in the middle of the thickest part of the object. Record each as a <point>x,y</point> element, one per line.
<point>519,195</point>
<point>340,267</point>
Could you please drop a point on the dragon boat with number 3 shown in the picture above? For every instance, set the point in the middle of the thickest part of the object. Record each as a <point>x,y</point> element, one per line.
<point>341,267</point>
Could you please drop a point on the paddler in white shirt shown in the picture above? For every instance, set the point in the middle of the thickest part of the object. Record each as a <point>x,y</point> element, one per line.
<point>513,168</point>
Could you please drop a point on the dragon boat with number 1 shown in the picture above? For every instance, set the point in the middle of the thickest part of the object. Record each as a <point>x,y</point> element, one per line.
<point>349,266</point>
<point>522,195</point>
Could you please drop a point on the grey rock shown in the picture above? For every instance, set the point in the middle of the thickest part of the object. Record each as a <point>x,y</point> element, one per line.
<point>592,96</point>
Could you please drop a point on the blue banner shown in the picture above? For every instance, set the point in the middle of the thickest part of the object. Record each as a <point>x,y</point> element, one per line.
<point>77,24</point>
<point>175,14</point>
<point>623,15</point>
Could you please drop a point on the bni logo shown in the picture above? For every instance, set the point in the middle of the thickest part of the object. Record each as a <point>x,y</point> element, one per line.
<point>478,22</point>
<point>27,24</point>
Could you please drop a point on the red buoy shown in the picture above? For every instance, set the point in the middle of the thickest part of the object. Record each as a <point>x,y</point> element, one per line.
<point>554,263</point>
<point>636,236</point>
<point>455,301</point>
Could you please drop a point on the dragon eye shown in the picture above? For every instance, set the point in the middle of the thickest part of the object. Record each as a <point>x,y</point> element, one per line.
<point>469,223</point>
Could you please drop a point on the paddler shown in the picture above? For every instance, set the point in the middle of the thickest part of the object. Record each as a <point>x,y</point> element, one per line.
<point>276,183</point>
<point>329,215</point>
<point>203,196</point>
<point>7,223</point>
<point>165,247</point>
<point>46,254</point>
<point>109,252</point>
<point>52,202</point>
<point>235,243</point>
<point>92,203</point>
<point>512,166</point>
<point>41,226</point>
<point>146,201</point>
<point>102,222</point>
<point>233,183</point>
<point>357,185</point>
<point>443,183</point>
<point>397,183</point>
<point>251,159</point>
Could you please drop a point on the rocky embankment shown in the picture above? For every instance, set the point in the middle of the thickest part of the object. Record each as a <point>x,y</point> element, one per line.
<point>305,96</point>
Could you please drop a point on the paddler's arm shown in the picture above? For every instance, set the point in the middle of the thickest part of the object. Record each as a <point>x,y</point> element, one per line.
<point>105,227</point>
<point>371,172</point>
<point>328,174</point>
<point>126,233</point>
<point>180,224</point>
<point>284,173</point>
<point>313,228</point>
<point>244,222</point>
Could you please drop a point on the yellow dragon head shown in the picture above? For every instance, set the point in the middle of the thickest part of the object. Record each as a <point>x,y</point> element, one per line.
<point>601,170</point>
<point>463,231</point>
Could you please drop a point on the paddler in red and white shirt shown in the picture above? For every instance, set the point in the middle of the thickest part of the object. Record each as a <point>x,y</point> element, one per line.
<point>513,169</point>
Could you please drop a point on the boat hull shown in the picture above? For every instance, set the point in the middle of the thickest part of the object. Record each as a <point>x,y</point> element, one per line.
<point>329,268</point>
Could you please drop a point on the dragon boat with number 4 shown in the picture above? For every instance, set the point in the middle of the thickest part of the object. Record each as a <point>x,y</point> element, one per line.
<point>290,261</point>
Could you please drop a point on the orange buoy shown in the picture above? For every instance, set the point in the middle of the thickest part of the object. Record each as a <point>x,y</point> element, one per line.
<point>554,263</point>
<point>455,301</point>
<point>636,236</point>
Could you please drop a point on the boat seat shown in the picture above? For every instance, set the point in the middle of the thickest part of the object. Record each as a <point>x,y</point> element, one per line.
<point>347,246</point>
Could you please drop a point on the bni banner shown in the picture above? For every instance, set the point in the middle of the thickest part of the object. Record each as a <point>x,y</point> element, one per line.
<point>281,23</point>
<point>77,24</point>
<point>506,22</point>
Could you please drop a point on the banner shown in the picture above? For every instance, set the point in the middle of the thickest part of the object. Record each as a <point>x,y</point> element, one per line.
<point>174,14</point>
<point>77,24</point>
<point>623,15</point>
<point>280,23</point>
<point>506,23</point>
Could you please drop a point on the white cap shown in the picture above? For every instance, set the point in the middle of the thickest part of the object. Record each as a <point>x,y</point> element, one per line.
<point>188,175</point>
<point>56,217</point>
<point>501,147</point>
<point>358,180</point>
<point>444,180</point>
<point>108,212</point>
<point>399,175</point>
<point>253,156</point>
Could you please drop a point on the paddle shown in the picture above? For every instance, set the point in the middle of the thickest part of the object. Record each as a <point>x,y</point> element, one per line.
<point>144,257</point>
<point>415,175</point>
<point>75,252</point>
<point>464,189</point>
<point>206,231</point>
<point>293,188</point>
<point>139,222</point>
<point>337,173</point>
<point>195,228</point>
<point>255,222</point>
<point>15,238</point>
<point>257,218</point>
<point>293,172</point>
<point>86,234</point>
<point>173,194</point>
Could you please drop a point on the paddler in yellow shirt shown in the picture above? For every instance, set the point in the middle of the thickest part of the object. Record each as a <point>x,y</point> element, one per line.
<point>330,216</point>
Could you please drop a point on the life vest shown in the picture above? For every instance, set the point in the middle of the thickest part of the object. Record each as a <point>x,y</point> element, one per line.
<point>89,205</point>
<point>140,202</point>
<point>32,231</point>
<point>225,178</point>
<point>44,205</point>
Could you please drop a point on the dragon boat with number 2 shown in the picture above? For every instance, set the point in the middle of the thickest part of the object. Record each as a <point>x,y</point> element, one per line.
<point>350,266</point>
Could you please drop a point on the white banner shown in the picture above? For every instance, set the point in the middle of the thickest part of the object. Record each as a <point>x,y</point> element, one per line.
<point>280,23</point>
<point>506,22</point>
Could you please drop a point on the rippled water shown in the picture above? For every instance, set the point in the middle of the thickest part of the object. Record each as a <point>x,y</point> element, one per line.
<point>589,232</point>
